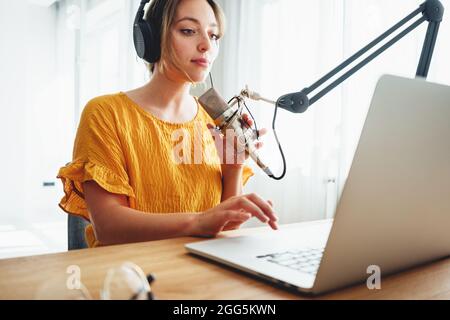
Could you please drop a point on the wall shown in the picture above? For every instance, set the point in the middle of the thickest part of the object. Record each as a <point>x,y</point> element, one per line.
<point>37,109</point>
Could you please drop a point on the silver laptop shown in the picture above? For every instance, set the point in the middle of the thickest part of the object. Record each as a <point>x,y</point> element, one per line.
<point>394,211</point>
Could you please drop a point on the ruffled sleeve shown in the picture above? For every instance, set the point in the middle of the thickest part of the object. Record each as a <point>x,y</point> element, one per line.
<point>97,156</point>
<point>247,173</point>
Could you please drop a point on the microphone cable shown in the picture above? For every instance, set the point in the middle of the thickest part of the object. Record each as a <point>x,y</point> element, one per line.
<point>211,80</point>
<point>279,145</point>
<point>283,174</point>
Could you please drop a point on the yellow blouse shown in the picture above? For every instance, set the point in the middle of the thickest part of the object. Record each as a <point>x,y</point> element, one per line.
<point>158,165</point>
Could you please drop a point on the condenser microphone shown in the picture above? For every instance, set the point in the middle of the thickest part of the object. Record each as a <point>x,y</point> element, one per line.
<point>227,117</point>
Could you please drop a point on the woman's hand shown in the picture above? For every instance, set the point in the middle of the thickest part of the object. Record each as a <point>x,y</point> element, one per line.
<point>232,213</point>
<point>231,153</point>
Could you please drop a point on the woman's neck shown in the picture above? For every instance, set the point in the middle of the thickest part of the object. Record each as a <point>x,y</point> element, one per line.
<point>168,94</point>
<point>167,99</point>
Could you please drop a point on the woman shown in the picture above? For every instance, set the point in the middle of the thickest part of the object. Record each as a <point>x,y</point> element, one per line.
<point>123,177</point>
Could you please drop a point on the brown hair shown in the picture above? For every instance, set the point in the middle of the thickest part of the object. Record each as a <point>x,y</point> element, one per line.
<point>168,17</point>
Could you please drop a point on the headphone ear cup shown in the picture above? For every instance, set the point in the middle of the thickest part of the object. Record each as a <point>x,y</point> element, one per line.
<point>146,42</point>
<point>139,39</point>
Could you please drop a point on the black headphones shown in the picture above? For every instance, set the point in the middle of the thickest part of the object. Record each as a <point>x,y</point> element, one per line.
<point>147,32</point>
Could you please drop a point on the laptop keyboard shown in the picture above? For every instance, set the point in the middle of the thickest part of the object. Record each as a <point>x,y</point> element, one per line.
<point>305,260</point>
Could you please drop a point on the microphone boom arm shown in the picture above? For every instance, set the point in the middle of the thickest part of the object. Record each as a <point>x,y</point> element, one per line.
<point>431,10</point>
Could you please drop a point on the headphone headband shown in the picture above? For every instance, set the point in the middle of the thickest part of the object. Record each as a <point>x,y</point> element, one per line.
<point>141,12</point>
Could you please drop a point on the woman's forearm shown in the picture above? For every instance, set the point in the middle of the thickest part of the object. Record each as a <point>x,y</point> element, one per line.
<point>115,222</point>
<point>231,182</point>
<point>125,225</point>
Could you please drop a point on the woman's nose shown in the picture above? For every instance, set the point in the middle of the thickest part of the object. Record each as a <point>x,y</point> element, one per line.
<point>205,44</point>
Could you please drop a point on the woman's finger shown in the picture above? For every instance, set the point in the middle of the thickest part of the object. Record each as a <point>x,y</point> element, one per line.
<point>247,119</point>
<point>273,225</point>
<point>262,131</point>
<point>233,225</point>
<point>250,207</point>
<point>236,215</point>
<point>259,145</point>
<point>264,205</point>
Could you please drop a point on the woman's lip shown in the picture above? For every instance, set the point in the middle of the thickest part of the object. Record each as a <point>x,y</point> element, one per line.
<point>201,63</point>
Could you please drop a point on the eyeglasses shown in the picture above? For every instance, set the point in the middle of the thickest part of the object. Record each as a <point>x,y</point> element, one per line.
<point>126,282</point>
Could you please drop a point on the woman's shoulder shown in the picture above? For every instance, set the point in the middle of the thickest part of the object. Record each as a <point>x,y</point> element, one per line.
<point>104,103</point>
<point>111,107</point>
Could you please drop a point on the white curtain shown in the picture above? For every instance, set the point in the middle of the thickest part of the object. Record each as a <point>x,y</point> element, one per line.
<point>107,60</point>
<point>277,47</point>
<point>282,46</point>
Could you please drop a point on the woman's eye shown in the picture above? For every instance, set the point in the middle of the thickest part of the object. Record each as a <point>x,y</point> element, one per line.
<point>188,31</point>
